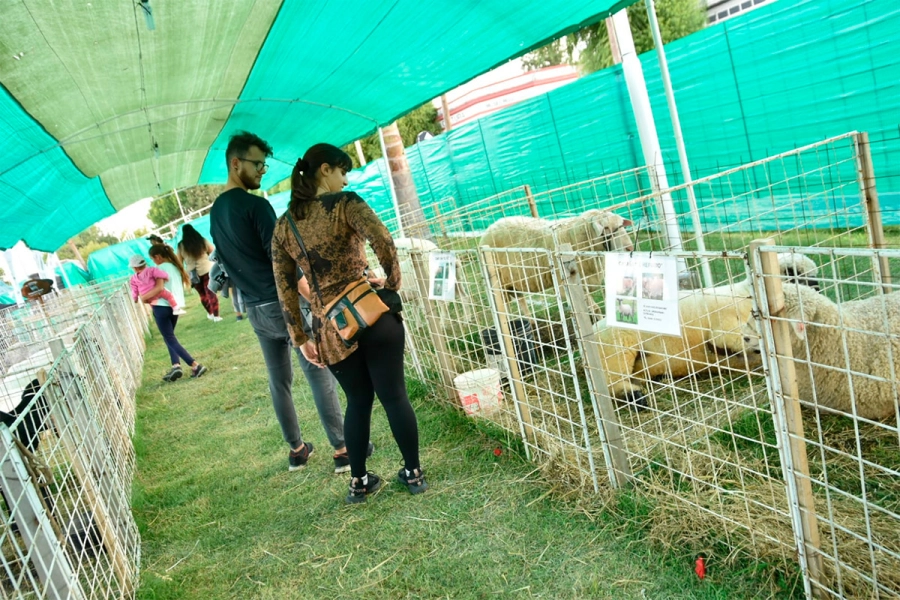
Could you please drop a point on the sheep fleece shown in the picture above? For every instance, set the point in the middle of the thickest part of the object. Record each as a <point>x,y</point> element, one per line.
<point>708,323</point>
<point>869,350</point>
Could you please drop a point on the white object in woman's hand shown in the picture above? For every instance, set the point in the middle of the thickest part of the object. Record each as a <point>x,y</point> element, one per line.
<point>311,353</point>
<point>376,281</point>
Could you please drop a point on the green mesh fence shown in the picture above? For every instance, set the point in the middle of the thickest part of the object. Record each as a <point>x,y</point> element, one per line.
<point>779,77</point>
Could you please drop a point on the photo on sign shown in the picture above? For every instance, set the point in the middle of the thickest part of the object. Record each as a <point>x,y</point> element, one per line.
<point>627,287</point>
<point>652,286</point>
<point>626,311</point>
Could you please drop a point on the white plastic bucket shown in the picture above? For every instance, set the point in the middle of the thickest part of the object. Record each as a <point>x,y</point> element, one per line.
<point>479,391</point>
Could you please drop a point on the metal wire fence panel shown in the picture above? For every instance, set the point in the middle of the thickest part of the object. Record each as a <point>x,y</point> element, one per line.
<point>694,419</point>
<point>835,356</point>
<point>66,458</point>
<point>810,196</point>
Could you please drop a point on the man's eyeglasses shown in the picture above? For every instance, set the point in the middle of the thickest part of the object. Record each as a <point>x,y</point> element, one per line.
<point>260,165</point>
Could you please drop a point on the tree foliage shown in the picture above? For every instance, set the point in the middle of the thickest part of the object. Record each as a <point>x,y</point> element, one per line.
<point>164,209</point>
<point>677,18</point>
<point>89,240</point>
<point>421,119</point>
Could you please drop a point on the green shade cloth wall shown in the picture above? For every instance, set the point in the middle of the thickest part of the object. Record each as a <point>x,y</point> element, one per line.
<point>7,295</point>
<point>782,76</point>
<point>72,274</point>
<point>112,262</point>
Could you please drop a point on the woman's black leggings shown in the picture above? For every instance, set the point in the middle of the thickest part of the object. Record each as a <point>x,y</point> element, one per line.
<point>376,367</point>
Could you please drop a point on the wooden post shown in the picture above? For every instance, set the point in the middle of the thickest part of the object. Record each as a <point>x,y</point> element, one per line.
<point>786,397</point>
<point>42,546</point>
<point>445,363</point>
<point>872,207</point>
<point>613,42</point>
<point>610,433</point>
<point>531,203</point>
<point>505,337</point>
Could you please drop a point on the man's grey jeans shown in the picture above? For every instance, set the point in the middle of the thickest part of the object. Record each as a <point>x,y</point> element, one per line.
<point>271,330</point>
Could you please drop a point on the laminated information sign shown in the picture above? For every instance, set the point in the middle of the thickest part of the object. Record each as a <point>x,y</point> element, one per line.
<point>642,292</point>
<point>442,276</point>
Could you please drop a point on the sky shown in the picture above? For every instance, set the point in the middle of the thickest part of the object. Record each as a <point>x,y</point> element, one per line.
<point>128,219</point>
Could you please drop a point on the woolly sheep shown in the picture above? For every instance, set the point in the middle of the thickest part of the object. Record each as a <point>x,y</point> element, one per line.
<point>818,327</point>
<point>591,231</point>
<point>712,322</point>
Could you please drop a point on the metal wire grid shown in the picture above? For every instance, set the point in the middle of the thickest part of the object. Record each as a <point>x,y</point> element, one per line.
<point>845,465</point>
<point>67,467</point>
<point>693,419</point>
<point>808,196</point>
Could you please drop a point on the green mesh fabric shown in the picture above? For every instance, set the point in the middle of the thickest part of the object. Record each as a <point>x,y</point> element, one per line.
<point>109,112</point>
<point>112,262</point>
<point>72,274</point>
<point>785,75</point>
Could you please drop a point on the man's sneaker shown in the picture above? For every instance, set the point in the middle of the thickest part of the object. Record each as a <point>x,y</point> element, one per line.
<point>178,311</point>
<point>414,481</point>
<point>173,374</point>
<point>198,371</point>
<point>239,318</point>
<point>342,460</point>
<point>216,319</point>
<point>209,316</point>
<point>359,491</point>
<point>297,460</point>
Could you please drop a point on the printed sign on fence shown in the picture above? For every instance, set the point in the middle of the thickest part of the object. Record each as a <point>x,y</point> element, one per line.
<point>442,276</point>
<point>642,292</point>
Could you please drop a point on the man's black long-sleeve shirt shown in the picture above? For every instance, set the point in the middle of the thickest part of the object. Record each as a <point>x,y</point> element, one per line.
<point>241,226</point>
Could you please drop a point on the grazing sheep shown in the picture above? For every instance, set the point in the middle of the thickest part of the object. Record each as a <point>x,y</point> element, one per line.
<point>712,324</point>
<point>818,327</point>
<point>591,231</point>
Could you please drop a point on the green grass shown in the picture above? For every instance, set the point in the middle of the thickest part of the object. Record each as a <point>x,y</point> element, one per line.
<point>221,517</point>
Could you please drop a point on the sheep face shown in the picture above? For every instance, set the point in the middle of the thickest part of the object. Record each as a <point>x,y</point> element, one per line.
<point>610,228</point>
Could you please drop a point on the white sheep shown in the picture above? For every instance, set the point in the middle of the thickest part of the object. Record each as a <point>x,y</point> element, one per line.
<point>712,322</point>
<point>591,231</point>
<point>819,328</point>
<point>408,277</point>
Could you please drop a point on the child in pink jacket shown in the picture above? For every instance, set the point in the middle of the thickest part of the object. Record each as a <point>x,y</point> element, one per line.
<point>144,280</point>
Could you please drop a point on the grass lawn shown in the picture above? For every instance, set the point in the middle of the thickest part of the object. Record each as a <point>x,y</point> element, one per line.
<point>221,517</point>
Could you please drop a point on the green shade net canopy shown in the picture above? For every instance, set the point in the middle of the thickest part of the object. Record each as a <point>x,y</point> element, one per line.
<point>102,103</point>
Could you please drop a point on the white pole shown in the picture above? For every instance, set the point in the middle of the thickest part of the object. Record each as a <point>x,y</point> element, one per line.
<point>359,153</point>
<point>387,163</point>
<point>679,138</point>
<point>180,207</point>
<point>640,104</point>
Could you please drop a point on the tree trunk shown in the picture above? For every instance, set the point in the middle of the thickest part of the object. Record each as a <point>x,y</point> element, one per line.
<point>413,219</point>
<point>77,254</point>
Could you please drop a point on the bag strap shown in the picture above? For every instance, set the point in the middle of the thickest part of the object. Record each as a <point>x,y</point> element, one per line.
<point>306,254</point>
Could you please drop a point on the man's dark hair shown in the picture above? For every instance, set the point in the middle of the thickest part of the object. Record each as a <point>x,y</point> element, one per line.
<point>240,143</point>
<point>155,239</point>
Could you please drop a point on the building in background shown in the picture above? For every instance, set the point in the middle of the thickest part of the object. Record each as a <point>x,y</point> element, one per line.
<point>502,87</point>
<point>721,10</point>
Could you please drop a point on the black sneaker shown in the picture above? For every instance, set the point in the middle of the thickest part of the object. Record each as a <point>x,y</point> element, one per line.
<point>297,460</point>
<point>342,460</point>
<point>198,371</point>
<point>358,492</point>
<point>414,482</point>
<point>173,374</point>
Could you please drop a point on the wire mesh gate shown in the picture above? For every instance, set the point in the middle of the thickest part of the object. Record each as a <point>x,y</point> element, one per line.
<point>66,459</point>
